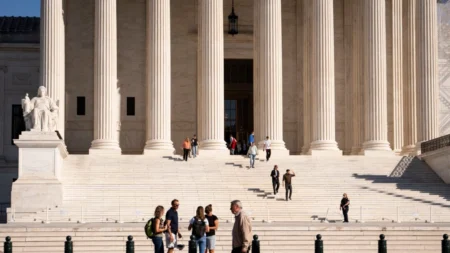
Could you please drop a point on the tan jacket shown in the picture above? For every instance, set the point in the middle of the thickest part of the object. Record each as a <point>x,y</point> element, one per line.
<point>242,231</point>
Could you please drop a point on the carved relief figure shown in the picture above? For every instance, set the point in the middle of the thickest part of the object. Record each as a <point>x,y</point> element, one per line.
<point>41,112</point>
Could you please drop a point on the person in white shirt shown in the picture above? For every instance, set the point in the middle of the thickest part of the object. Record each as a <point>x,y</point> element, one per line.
<point>252,150</point>
<point>267,144</point>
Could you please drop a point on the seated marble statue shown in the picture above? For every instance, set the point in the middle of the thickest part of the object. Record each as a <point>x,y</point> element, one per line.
<point>41,113</point>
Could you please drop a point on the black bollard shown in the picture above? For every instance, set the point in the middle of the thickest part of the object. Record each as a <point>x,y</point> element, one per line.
<point>319,244</point>
<point>7,246</point>
<point>192,245</point>
<point>382,248</point>
<point>68,245</point>
<point>130,244</point>
<point>445,244</point>
<point>255,245</point>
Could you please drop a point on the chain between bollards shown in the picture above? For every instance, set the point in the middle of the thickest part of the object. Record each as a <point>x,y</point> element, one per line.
<point>7,246</point>
<point>130,244</point>
<point>445,244</point>
<point>192,245</point>
<point>318,244</point>
<point>255,245</point>
<point>68,245</point>
<point>382,247</point>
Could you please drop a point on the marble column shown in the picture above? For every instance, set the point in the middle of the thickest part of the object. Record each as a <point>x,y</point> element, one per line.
<point>322,86</point>
<point>427,81</point>
<point>52,56</point>
<point>375,90</point>
<point>106,121</point>
<point>306,76</point>
<point>358,77</point>
<point>256,82</point>
<point>158,79</point>
<point>271,76</point>
<point>397,72</point>
<point>211,79</point>
<point>410,79</point>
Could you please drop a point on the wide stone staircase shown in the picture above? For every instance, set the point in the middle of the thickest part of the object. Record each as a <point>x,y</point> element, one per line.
<point>127,188</point>
<point>274,237</point>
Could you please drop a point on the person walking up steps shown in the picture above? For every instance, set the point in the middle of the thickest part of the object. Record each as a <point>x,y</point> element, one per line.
<point>345,203</point>
<point>267,144</point>
<point>287,182</point>
<point>199,226</point>
<point>251,139</point>
<point>275,175</point>
<point>252,154</point>
<point>242,229</point>
<point>186,148</point>
<point>213,222</point>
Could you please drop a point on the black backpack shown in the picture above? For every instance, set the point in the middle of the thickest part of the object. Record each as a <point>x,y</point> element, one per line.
<point>198,228</point>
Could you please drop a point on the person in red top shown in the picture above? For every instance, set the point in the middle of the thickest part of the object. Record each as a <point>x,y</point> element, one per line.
<point>233,145</point>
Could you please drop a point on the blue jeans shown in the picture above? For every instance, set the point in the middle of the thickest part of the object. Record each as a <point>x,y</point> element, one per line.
<point>252,160</point>
<point>194,151</point>
<point>158,244</point>
<point>201,244</point>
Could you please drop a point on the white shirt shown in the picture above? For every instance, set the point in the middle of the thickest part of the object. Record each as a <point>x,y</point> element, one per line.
<point>267,144</point>
<point>252,150</point>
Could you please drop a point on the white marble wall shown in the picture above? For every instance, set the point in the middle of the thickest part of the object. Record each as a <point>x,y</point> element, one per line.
<point>444,66</point>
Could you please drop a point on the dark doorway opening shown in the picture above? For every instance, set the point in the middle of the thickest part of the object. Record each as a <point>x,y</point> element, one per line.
<point>238,99</point>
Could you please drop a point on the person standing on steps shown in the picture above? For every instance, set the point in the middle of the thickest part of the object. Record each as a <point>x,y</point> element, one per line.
<point>251,139</point>
<point>159,228</point>
<point>242,229</point>
<point>194,146</point>
<point>213,222</point>
<point>233,143</point>
<point>186,148</point>
<point>287,182</point>
<point>252,150</point>
<point>345,203</point>
<point>199,226</point>
<point>266,148</point>
<point>275,175</point>
<point>172,224</point>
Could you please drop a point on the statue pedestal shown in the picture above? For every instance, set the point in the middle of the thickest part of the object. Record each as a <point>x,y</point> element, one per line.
<point>41,156</point>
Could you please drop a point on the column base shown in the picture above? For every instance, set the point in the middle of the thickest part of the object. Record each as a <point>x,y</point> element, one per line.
<point>305,150</point>
<point>105,147</point>
<point>409,150</point>
<point>159,148</point>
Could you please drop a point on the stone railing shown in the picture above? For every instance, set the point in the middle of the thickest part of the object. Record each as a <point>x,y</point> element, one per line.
<point>435,144</point>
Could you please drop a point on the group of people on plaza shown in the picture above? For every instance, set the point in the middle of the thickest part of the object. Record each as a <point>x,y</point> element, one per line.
<point>203,226</point>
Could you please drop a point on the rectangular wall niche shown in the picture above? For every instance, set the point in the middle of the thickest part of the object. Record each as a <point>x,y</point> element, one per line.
<point>81,106</point>
<point>131,106</point>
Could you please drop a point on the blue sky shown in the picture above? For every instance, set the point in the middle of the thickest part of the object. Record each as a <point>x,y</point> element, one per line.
<point>20,8</point>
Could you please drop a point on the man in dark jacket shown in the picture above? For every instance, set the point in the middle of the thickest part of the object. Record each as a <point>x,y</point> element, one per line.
<point>275,175</point>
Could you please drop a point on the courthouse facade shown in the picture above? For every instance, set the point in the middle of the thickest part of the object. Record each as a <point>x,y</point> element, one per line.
<point>316,76</point>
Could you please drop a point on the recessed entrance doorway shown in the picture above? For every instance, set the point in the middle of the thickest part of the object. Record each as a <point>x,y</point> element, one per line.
<point>238,98</point>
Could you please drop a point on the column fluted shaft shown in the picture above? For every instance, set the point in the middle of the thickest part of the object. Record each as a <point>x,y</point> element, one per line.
<point>376,129</point>
<point>271,74</point>
<point>158,102</point>
<point>256,82</point>
<point>410,79</point>
<point>211,90</point>
<point>358,77</point>
<point>306,76</point>
<point>106,120</point>
<point>427,82</point>
<point>397,64</point>
<point>52,56</point>
<point>323,79</point>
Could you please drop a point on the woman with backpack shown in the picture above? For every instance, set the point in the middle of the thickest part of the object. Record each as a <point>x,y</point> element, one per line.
<point>158,229</point>
<point>200,226</point>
